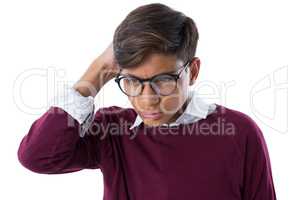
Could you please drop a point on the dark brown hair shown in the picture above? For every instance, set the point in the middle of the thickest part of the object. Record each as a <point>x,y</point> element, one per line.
<point>154,28</point>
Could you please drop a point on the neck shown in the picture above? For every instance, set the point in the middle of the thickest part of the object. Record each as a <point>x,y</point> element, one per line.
<point>180,111</point>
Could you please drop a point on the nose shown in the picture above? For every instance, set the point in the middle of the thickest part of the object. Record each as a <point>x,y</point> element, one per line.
<point>148,95</point>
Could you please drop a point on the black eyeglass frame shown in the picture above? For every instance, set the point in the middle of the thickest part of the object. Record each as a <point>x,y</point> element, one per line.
<point>119,77</point>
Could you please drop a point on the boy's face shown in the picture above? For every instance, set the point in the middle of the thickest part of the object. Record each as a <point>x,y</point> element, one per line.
<point>171,106</point>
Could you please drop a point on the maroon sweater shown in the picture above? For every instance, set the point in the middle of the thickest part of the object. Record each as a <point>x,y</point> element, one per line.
<point>222,157</point>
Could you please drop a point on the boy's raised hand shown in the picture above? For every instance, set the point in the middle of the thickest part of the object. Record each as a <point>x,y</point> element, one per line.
<point>101,70</point>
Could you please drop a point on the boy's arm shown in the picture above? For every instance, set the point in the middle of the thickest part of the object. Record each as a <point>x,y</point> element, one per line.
<point>257,174</point>
<point>56,142</point>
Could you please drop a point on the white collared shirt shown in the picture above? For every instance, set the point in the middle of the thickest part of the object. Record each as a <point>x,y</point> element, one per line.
<point>196,109</point>
<point>82,108</point>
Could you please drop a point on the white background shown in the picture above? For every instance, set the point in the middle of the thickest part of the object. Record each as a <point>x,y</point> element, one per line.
<point>249,52</point>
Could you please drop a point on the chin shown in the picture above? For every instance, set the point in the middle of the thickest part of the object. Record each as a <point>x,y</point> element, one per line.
<point>150,122</point>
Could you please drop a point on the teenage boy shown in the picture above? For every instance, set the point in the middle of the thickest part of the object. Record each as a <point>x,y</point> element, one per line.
<point>171,145</point>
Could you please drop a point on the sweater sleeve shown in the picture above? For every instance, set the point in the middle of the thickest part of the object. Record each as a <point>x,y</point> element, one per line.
<point>53,144</point>
<point>257,177</point>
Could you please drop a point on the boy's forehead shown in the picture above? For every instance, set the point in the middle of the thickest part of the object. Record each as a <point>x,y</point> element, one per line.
<point>155,64</point>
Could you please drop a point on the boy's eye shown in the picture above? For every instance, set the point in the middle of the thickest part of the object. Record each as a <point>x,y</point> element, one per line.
<point>131,81</point>
<point>163,79</point>
<point>165,83</point>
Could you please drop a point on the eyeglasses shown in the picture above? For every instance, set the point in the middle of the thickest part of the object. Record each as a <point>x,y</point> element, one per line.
<point>163,84</point>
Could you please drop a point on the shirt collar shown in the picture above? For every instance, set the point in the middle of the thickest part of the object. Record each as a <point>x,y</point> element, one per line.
<point>195,110</point>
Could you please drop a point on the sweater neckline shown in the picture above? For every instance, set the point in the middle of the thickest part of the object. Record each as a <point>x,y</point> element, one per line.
<point>180,126</point>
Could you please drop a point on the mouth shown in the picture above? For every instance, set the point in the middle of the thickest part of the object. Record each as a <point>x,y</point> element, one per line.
<point>151,115</point>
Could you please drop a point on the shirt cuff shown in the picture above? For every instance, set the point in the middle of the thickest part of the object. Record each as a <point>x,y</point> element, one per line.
<point>81,108</point>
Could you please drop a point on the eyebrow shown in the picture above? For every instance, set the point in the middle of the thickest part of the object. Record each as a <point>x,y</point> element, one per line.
<point>163,73</point>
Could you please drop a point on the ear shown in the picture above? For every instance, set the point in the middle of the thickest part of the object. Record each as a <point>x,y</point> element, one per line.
<point>194,69</point>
